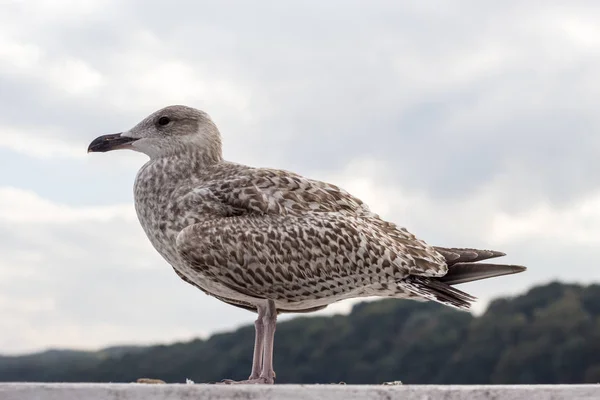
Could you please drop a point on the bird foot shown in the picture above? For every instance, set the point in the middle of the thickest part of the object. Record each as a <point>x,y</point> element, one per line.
<point>253,381</point>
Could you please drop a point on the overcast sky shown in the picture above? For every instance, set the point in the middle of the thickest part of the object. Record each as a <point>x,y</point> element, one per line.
<point>470,123</point>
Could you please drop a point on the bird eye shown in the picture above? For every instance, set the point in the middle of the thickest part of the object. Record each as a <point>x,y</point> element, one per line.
<point>164,120</point>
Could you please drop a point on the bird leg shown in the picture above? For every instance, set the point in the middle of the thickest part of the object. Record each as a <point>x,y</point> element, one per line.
<point>269,323</point>
<point>262,363</point>
<point>259,338</point>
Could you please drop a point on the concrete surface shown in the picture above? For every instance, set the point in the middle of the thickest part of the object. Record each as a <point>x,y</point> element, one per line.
<point>134,391</point>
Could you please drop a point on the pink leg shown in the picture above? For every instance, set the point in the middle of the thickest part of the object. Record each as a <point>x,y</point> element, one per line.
<point>262,363</point>
<point>257,360</point>
<point>269,322</point>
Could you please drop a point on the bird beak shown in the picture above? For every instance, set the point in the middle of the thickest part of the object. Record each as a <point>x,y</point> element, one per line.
<point>110,142</point>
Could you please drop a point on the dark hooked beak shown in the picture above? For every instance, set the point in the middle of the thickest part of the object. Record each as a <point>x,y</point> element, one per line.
<point>109,142</point>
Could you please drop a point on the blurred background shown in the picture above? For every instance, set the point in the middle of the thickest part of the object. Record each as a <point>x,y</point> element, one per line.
<point>470,123</point>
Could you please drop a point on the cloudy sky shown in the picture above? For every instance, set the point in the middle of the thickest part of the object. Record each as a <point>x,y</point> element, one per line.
<point>471,123</point>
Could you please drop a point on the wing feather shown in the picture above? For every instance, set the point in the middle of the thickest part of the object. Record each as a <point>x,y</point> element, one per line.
<point>291,238</point>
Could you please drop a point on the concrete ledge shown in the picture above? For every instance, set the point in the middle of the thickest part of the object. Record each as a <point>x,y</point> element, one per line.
<point>91,391</point>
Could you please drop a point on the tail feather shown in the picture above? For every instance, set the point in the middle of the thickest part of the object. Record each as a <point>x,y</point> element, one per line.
<point>459,255</point>
<point>463,267</point>
<point>433,289</point>
<point>467,272</point>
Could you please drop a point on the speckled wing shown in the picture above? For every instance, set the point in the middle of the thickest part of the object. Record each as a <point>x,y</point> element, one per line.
<point>273,191</point>
<point>242,304</point>
<point>294,239</point>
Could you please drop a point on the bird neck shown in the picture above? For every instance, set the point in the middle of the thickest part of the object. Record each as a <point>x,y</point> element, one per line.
<point>196,157</point>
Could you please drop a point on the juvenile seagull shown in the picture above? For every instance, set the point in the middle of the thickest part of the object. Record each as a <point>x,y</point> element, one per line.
<point>272,241</point>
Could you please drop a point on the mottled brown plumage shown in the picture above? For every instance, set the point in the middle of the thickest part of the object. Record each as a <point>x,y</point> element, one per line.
<point>271,240</point>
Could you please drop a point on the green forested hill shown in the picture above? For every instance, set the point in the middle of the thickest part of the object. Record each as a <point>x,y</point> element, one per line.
<point>549,335</point>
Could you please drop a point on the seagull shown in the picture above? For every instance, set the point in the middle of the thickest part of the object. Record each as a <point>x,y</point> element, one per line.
<point>272,241</point>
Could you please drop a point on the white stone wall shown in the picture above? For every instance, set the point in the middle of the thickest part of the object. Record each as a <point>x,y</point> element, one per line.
<point>68,391</point>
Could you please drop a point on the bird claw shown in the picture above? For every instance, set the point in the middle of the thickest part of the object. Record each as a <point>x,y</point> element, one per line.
<point>255,381</point>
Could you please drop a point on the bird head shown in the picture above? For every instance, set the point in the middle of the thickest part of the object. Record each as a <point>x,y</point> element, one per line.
<point>167,132</point>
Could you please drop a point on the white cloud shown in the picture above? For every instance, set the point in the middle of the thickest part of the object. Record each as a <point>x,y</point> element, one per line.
<point>18,56</point>
<point>142,80</point>
<point>74,76</point>
<point>43,143</point>
<point>22,206</point>
<point>67,75</point>
<point>579,223</point>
